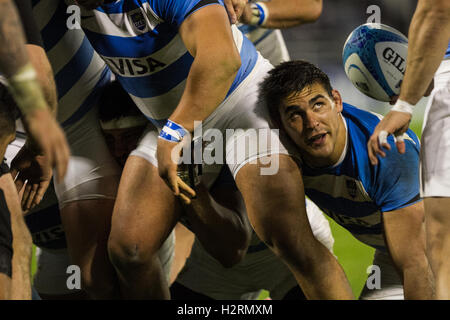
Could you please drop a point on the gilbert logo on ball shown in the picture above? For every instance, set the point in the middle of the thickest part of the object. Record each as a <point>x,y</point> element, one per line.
<point>374,58</point>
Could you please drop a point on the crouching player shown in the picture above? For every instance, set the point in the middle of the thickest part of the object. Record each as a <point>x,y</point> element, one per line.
<point>44,221</point>
<point>228,260</point>
<point>379,205</point>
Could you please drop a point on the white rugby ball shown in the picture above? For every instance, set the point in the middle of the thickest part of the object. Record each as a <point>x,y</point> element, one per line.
<point>374,58</point>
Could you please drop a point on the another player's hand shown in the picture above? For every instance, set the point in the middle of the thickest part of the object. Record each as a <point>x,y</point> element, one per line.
<point>168,154</point>
<point>47,135</point>
<point>395,123</point>
<point>35,171</point>
<point>235,8</point>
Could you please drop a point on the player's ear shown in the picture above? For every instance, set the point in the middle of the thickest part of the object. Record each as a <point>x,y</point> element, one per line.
<point>337,99</point>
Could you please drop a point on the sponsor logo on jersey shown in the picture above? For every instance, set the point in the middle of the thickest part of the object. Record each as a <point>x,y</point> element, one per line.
<point>138,20</point>
<point>134,67</point>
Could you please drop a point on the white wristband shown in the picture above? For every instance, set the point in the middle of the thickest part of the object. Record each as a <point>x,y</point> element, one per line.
<point>260,13</point>
<point>403,106</point>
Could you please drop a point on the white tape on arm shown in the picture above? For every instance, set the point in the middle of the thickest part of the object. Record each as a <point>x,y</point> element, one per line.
<point>382,137</point>
<point>403,106</point>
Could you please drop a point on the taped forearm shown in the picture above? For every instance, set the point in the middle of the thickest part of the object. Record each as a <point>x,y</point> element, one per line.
<point>279,14</point>
<point>26,90</point>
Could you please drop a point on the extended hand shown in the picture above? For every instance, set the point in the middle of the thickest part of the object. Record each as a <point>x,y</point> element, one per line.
<point>168,154</point>
<point>45,132</point>
<point>27,166</point>
<point>395,123</point>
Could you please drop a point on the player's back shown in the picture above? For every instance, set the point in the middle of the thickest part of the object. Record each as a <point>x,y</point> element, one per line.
<point>141,44</point>
<point>80,73</point>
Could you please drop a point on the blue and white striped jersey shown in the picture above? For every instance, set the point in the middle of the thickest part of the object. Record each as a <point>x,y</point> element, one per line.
<point>354,193</point>
<point>139,40</point>
<point>254,33</point>
<point>447,53</point>
<point>80,73</point>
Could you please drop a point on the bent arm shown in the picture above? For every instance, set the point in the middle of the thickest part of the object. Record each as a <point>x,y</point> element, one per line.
<point>13,55</point>
<point>405,239</point>
<point>223,232</point>
<point>21,260</point>
<point>276,209</point>
<point>287,13</point>
<point>207,36</point>
<point>429,34</point>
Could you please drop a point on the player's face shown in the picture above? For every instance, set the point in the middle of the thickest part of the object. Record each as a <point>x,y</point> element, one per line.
<point>121,142</point>
<point>312,119</point>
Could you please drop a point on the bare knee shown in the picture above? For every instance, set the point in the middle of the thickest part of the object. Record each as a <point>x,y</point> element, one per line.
<point>130,254</point>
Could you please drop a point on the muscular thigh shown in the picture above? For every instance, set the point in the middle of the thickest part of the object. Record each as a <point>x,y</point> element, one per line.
<point>145,211</point>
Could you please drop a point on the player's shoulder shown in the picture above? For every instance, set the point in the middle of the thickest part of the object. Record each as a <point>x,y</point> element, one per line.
<point>362,123</point>
<point>365,121</point>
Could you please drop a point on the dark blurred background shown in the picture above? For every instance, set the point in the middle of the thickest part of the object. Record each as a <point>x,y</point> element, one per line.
<point>322,42</point>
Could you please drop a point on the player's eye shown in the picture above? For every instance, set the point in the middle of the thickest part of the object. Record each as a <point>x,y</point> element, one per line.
<point>294,115</point>
<point>318,105</point>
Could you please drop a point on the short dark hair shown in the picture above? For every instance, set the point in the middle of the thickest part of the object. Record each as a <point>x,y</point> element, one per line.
<point>115,103</point>
<point>287,78</point>
<point>9,112</point>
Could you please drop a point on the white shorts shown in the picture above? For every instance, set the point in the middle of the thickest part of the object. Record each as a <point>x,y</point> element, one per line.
<point>51,277</point>
<point>92,172</point>
<point>243,127</point>
<point>435,146</point>
<point>391,285</point>
<point>273,47</point>
<point>260,268</point>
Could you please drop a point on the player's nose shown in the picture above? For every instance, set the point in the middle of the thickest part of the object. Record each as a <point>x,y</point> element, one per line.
<point>311,120</point>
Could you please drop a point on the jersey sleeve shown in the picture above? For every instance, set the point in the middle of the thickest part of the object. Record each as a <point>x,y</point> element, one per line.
<point>397,176</point>
<point>30,28</point>
<point>176,11</point>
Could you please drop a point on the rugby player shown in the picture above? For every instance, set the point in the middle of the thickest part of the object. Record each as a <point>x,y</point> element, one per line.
<point>379,205</point>
<point>257,268</point>
<point>429,36</point>
<point>228,261</point>
<point>19,71</point>
<point>87,193</point>
<point>15,239</point>
<point>122,125</point>
<point>186,72</point>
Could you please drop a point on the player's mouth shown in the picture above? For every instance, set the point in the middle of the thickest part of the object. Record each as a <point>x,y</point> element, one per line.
<point>317,140</point>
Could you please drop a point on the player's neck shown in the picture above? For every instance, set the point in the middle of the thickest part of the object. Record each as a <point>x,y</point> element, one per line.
<point>341,144</point>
